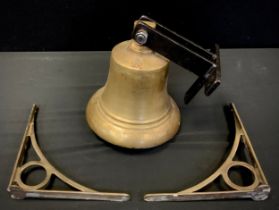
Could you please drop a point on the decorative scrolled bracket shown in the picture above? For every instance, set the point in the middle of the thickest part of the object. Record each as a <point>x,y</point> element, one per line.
<point>21,190</point>
<point>258,189</point>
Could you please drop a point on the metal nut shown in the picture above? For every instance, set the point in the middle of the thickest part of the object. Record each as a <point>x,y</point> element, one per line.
<point>141,37</point>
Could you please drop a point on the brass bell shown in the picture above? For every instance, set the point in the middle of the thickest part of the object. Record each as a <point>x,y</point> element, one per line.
<point>134,109</point>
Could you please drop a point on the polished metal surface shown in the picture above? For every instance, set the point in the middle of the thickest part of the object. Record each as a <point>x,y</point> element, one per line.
<point>20,190</point>
<point>134,109</point>
<point>259,189</point>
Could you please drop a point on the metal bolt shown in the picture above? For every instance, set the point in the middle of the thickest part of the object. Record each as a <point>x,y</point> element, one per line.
<point>141,37</point>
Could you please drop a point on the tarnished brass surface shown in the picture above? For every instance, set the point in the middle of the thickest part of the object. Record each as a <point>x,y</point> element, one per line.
<point>21,190</point>
<point>259,189</point>
<point>133,109</point>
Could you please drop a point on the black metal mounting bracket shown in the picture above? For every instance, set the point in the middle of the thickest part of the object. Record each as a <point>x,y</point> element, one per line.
<point>202,62</point>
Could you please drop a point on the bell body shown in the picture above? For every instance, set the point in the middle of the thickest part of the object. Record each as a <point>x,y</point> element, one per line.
<point>133,109</point>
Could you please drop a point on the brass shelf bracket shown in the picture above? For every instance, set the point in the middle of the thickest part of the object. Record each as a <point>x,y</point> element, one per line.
<point>20,190</point>
<point>259,189</point>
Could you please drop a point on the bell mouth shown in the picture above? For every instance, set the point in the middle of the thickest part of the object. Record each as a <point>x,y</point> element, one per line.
<point>129,134</point>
